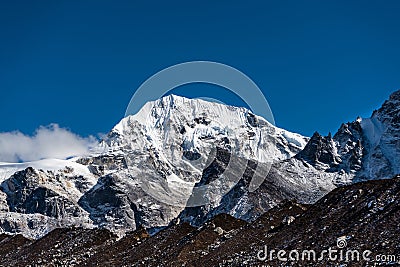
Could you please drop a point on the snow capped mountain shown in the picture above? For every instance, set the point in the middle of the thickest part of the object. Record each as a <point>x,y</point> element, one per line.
<point>194,125</point>
<point>171,143</point>
<point>36,197</point>
<point>365,149</point>
<point>382,140</point>
<point>153,167</point>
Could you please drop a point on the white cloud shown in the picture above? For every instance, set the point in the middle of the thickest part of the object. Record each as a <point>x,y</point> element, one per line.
<point>47,142</point>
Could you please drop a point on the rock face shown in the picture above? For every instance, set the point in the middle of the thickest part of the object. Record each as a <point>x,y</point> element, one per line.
<point>107,202</point>
<point>367,148</point>
<point>191,159</point>
<point>382,132</point>
<point>349,142</point>
<point>320,149</point>
<point>37,201</point>
<point>277,186</point>
<point>25,195</point>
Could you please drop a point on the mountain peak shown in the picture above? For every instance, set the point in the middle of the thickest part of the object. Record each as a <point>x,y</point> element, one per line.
<point>319,149</point>
<point>395,96</point>
<point>194,124</point>
<point>174,101</point>
<point>390,111</point>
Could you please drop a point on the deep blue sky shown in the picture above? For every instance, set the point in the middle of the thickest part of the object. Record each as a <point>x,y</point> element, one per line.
<point>77,63</point>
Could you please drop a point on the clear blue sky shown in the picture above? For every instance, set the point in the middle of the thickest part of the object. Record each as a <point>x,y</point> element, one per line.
<point>77,63</point>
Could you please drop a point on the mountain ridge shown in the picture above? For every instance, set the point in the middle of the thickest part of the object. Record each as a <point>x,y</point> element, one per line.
<point>150,165</point>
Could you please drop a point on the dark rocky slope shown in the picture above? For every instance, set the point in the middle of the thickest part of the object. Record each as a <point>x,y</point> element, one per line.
<point>365,214</point>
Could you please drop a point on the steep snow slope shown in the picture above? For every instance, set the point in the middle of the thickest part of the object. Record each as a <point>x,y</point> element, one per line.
<point>382,142</point>
<point>194,124</point>
<point>8,169</point>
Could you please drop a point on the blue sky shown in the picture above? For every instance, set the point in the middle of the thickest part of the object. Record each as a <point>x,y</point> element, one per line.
<point>77,63</point>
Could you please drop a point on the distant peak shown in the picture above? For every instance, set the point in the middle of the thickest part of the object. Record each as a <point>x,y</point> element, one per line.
<point>391,108</point>
<point>316,135</point>
<point>395,96</point>
<point>319,149</point>
<point>172,98</point>
<point>176,100</point>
